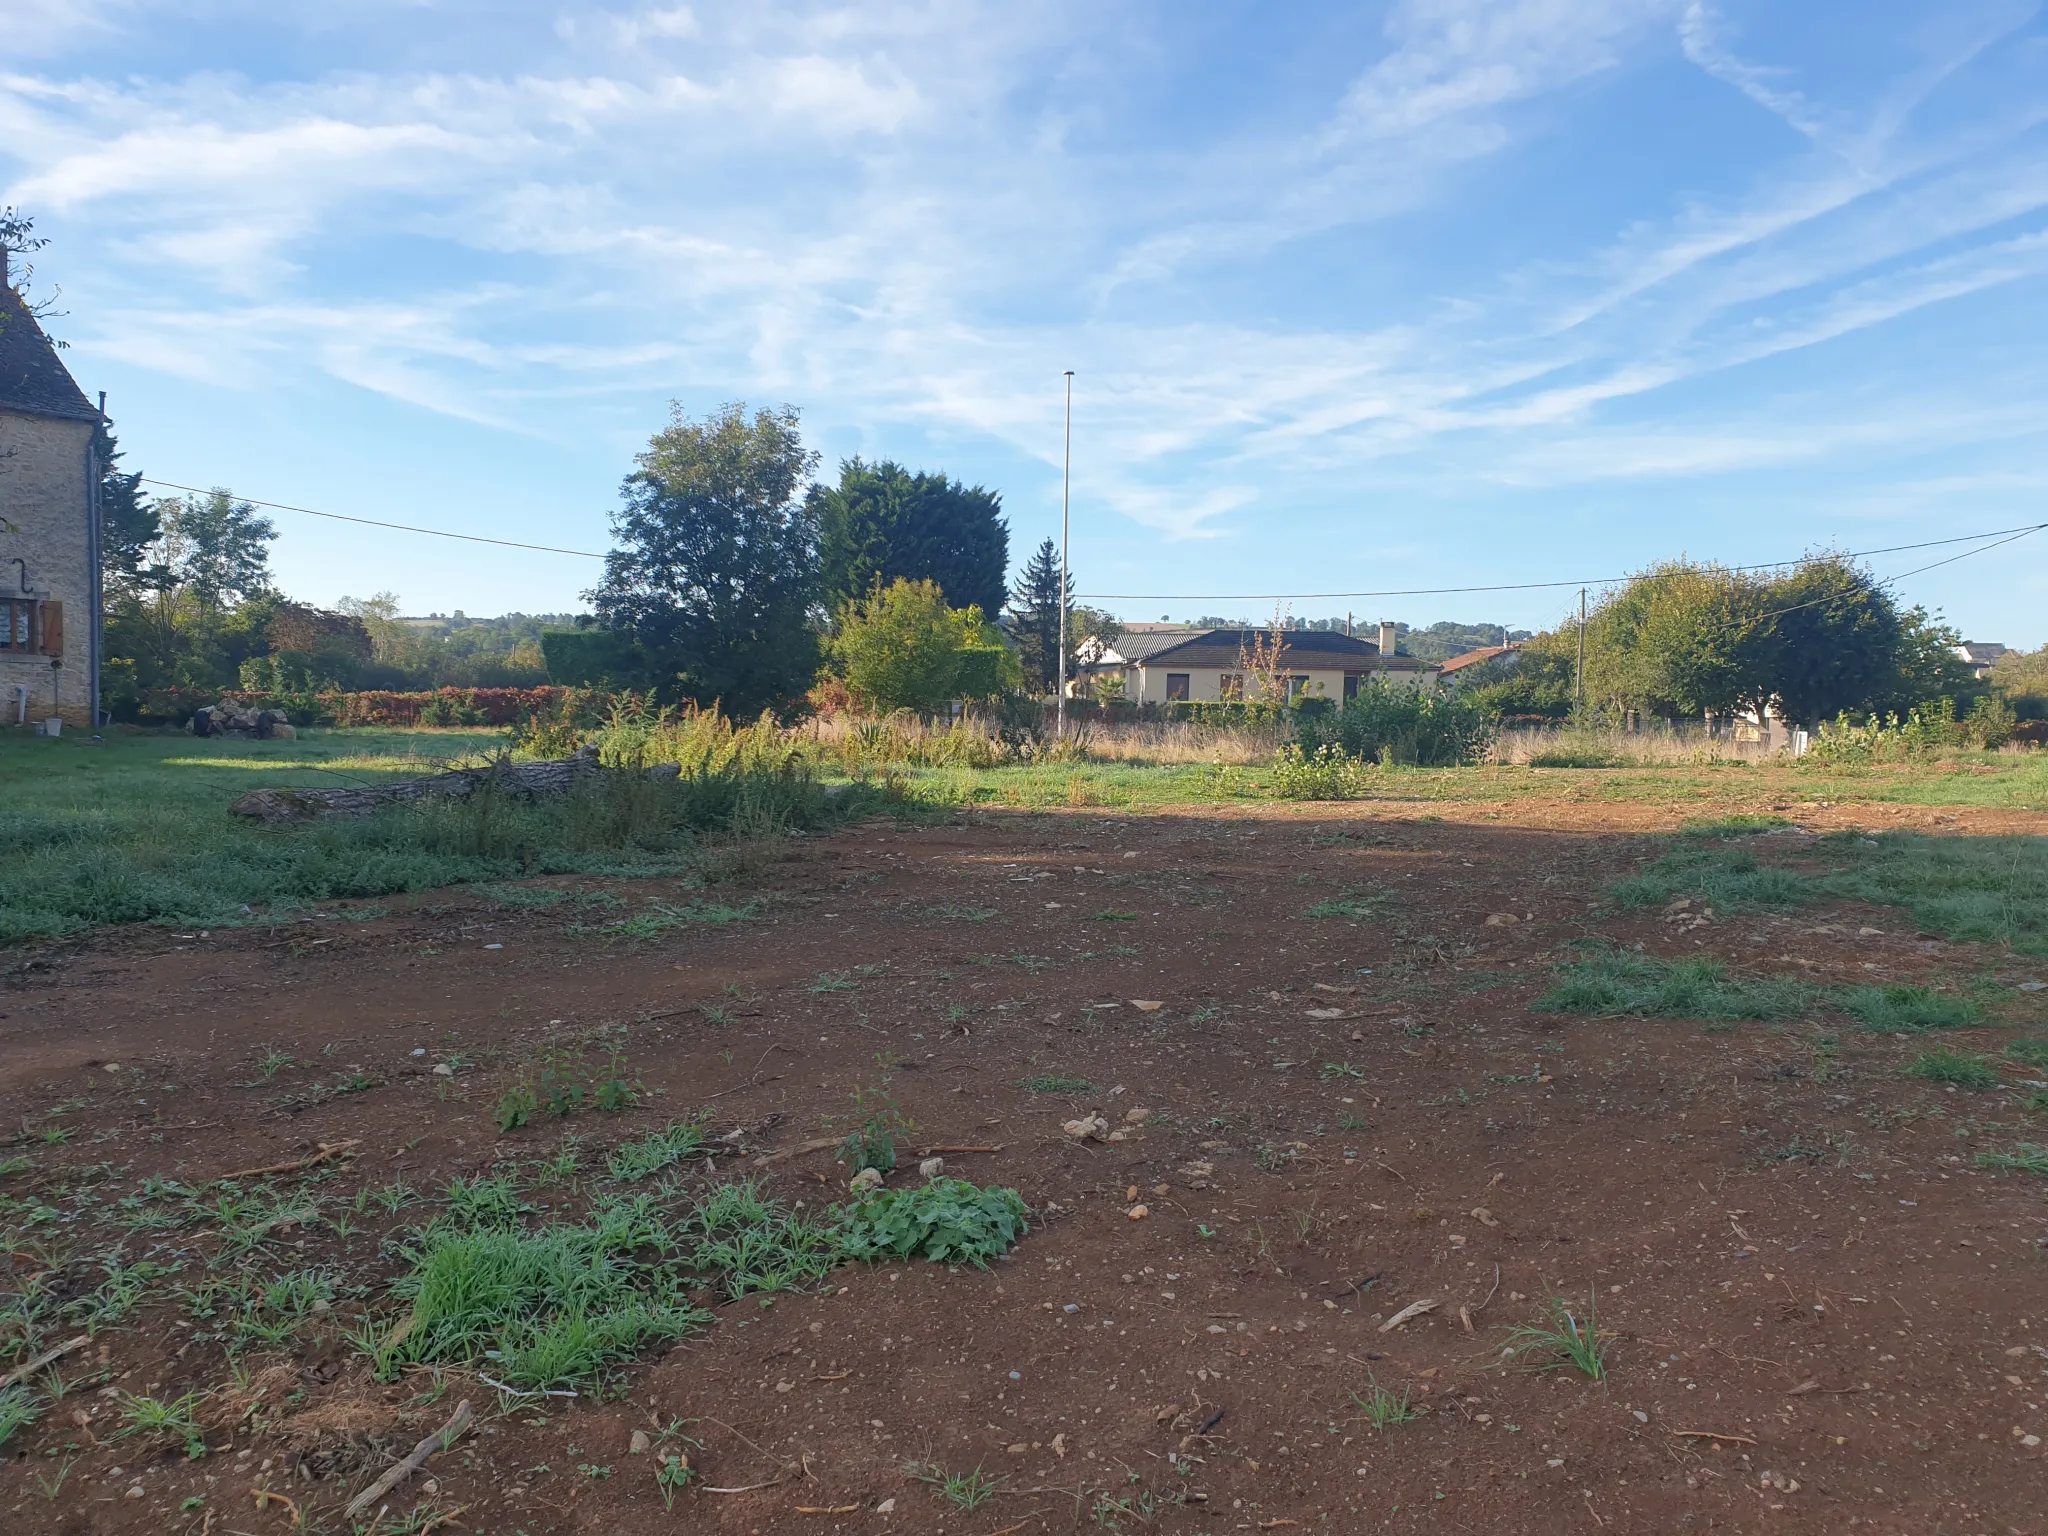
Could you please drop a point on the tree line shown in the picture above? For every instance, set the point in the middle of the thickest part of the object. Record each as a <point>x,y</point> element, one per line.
<point>193,610</point>
<point>737,577</point>
<point>734,578</point>
<point>1687,640</point>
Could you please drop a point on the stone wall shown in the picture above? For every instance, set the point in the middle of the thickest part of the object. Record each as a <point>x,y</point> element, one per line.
<point>44,493</point>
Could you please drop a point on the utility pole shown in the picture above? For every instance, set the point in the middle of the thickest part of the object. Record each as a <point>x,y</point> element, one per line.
<point>1579,672</point>
<point>1066,488</point>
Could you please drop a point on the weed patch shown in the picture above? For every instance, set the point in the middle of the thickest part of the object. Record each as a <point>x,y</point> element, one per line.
<point>1728,878</point>
<point>2025,1157</point>
<point>649,1155</point>
<point>1959,1069</point>
<point>1908,1010</point>
<point>1614,983</point>
<point>1383,1409</point>
<point>948,1221</point>
<point>1563,1341</point>
<point>1057,1084</point>
<point>1987,890</point>
<point>663,918</point>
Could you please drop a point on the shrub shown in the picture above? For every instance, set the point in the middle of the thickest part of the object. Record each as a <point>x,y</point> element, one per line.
<point>1927,730</point>
<point>1391,723</point>
<point>1326,775</point>
<point>948,1221</point>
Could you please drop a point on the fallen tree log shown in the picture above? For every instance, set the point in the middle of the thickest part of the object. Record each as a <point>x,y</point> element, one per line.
<point>525,781</point>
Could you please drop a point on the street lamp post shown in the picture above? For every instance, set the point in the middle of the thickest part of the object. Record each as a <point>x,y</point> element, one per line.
<point>1066,487</point>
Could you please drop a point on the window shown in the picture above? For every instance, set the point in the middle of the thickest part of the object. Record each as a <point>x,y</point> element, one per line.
<point>1176,687</point>
<point>1350,686</point>
<point>1230,686</point>
<point>28,624</point>
<point>17,632</point>
<point>1297,685</point>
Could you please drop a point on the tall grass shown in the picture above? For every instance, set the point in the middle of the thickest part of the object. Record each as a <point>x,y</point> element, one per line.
<point>1661,746</point>
<point>141,832</point>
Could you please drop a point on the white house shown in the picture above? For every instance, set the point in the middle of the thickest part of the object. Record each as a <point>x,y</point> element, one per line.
<point>1163,666</point>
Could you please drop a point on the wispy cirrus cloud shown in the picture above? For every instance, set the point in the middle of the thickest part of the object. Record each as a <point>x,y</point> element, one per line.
<point>912,218</point>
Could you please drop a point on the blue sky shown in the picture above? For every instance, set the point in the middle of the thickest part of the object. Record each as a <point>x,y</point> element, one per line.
<point>1359,296</point>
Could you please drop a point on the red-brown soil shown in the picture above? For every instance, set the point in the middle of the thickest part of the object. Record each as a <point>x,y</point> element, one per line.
<point>1853,1336</point>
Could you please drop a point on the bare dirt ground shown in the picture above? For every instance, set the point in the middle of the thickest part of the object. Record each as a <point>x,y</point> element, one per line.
<point>1822,1316</point>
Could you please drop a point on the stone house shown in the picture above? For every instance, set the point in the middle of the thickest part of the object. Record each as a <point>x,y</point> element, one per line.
<point>49,529</point>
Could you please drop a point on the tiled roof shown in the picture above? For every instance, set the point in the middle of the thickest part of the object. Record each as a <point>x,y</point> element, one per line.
<point>1298,648</point>
<point>1473,658</point>
<point>32,380</point>
<point>1140,645</point>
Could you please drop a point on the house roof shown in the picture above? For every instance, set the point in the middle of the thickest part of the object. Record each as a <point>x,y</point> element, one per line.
<point>1141,642</point>
<point>1474,658</point>
<point>32,380</point>
<point>1317,649</point>
<point>1981,650</point>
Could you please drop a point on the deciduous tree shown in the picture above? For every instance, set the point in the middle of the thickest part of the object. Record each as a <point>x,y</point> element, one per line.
<point>714,568</point>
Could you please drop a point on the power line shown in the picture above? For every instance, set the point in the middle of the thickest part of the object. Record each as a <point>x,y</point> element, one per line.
<point>2001,535</point>
<point>1533,586</point>
<point>371,522</point>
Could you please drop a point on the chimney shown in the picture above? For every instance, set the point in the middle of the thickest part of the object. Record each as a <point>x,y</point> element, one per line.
<point>1387,641</point>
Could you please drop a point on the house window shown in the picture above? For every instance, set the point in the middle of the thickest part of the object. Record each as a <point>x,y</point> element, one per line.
<point>17,625</point>
<point>1350,686</point>
<point>1176,687</point>
<point>1297,685</point>
<point>1230,686</point>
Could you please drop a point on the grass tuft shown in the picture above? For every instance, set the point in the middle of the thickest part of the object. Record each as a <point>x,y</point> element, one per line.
<point>1909,1010</point>
<point>655,1151</point>
<point>2025,1157</point>
<point>1382,1409</point>
<point>1613,983</point>
<point>1566,1342</point>
<point>1958,1069</point>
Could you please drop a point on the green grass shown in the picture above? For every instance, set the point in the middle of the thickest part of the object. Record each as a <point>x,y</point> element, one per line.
<point>2031,1049</point>
<point>2025,1157</point>
<point>1614,983</point>
<point>649,1155</point>
<point>966,1491</point>
<point>1990,890</point>
<point>1908,1010</point>
<point>1564,1342</point>
<point>1731,826</point>
<point>662,918</point>
<point>1727,878</point>
<point>1053,1083</point>
<point>138,829</point>
<point>1357,906</point>
<point>1987,890</point>
<point>1959,1069</point>
<point>1381,1408</point>
<point>18,1410</point>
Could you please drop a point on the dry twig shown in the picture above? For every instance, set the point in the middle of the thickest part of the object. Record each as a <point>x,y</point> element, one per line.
<point>440,1440</point>
<point>23,1372</point>
<point>328,1149</point>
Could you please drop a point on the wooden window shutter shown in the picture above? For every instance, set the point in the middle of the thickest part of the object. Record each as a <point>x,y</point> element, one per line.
<point>53,629</point>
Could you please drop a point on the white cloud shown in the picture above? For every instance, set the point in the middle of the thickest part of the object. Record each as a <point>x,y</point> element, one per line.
<point>897,215</point>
